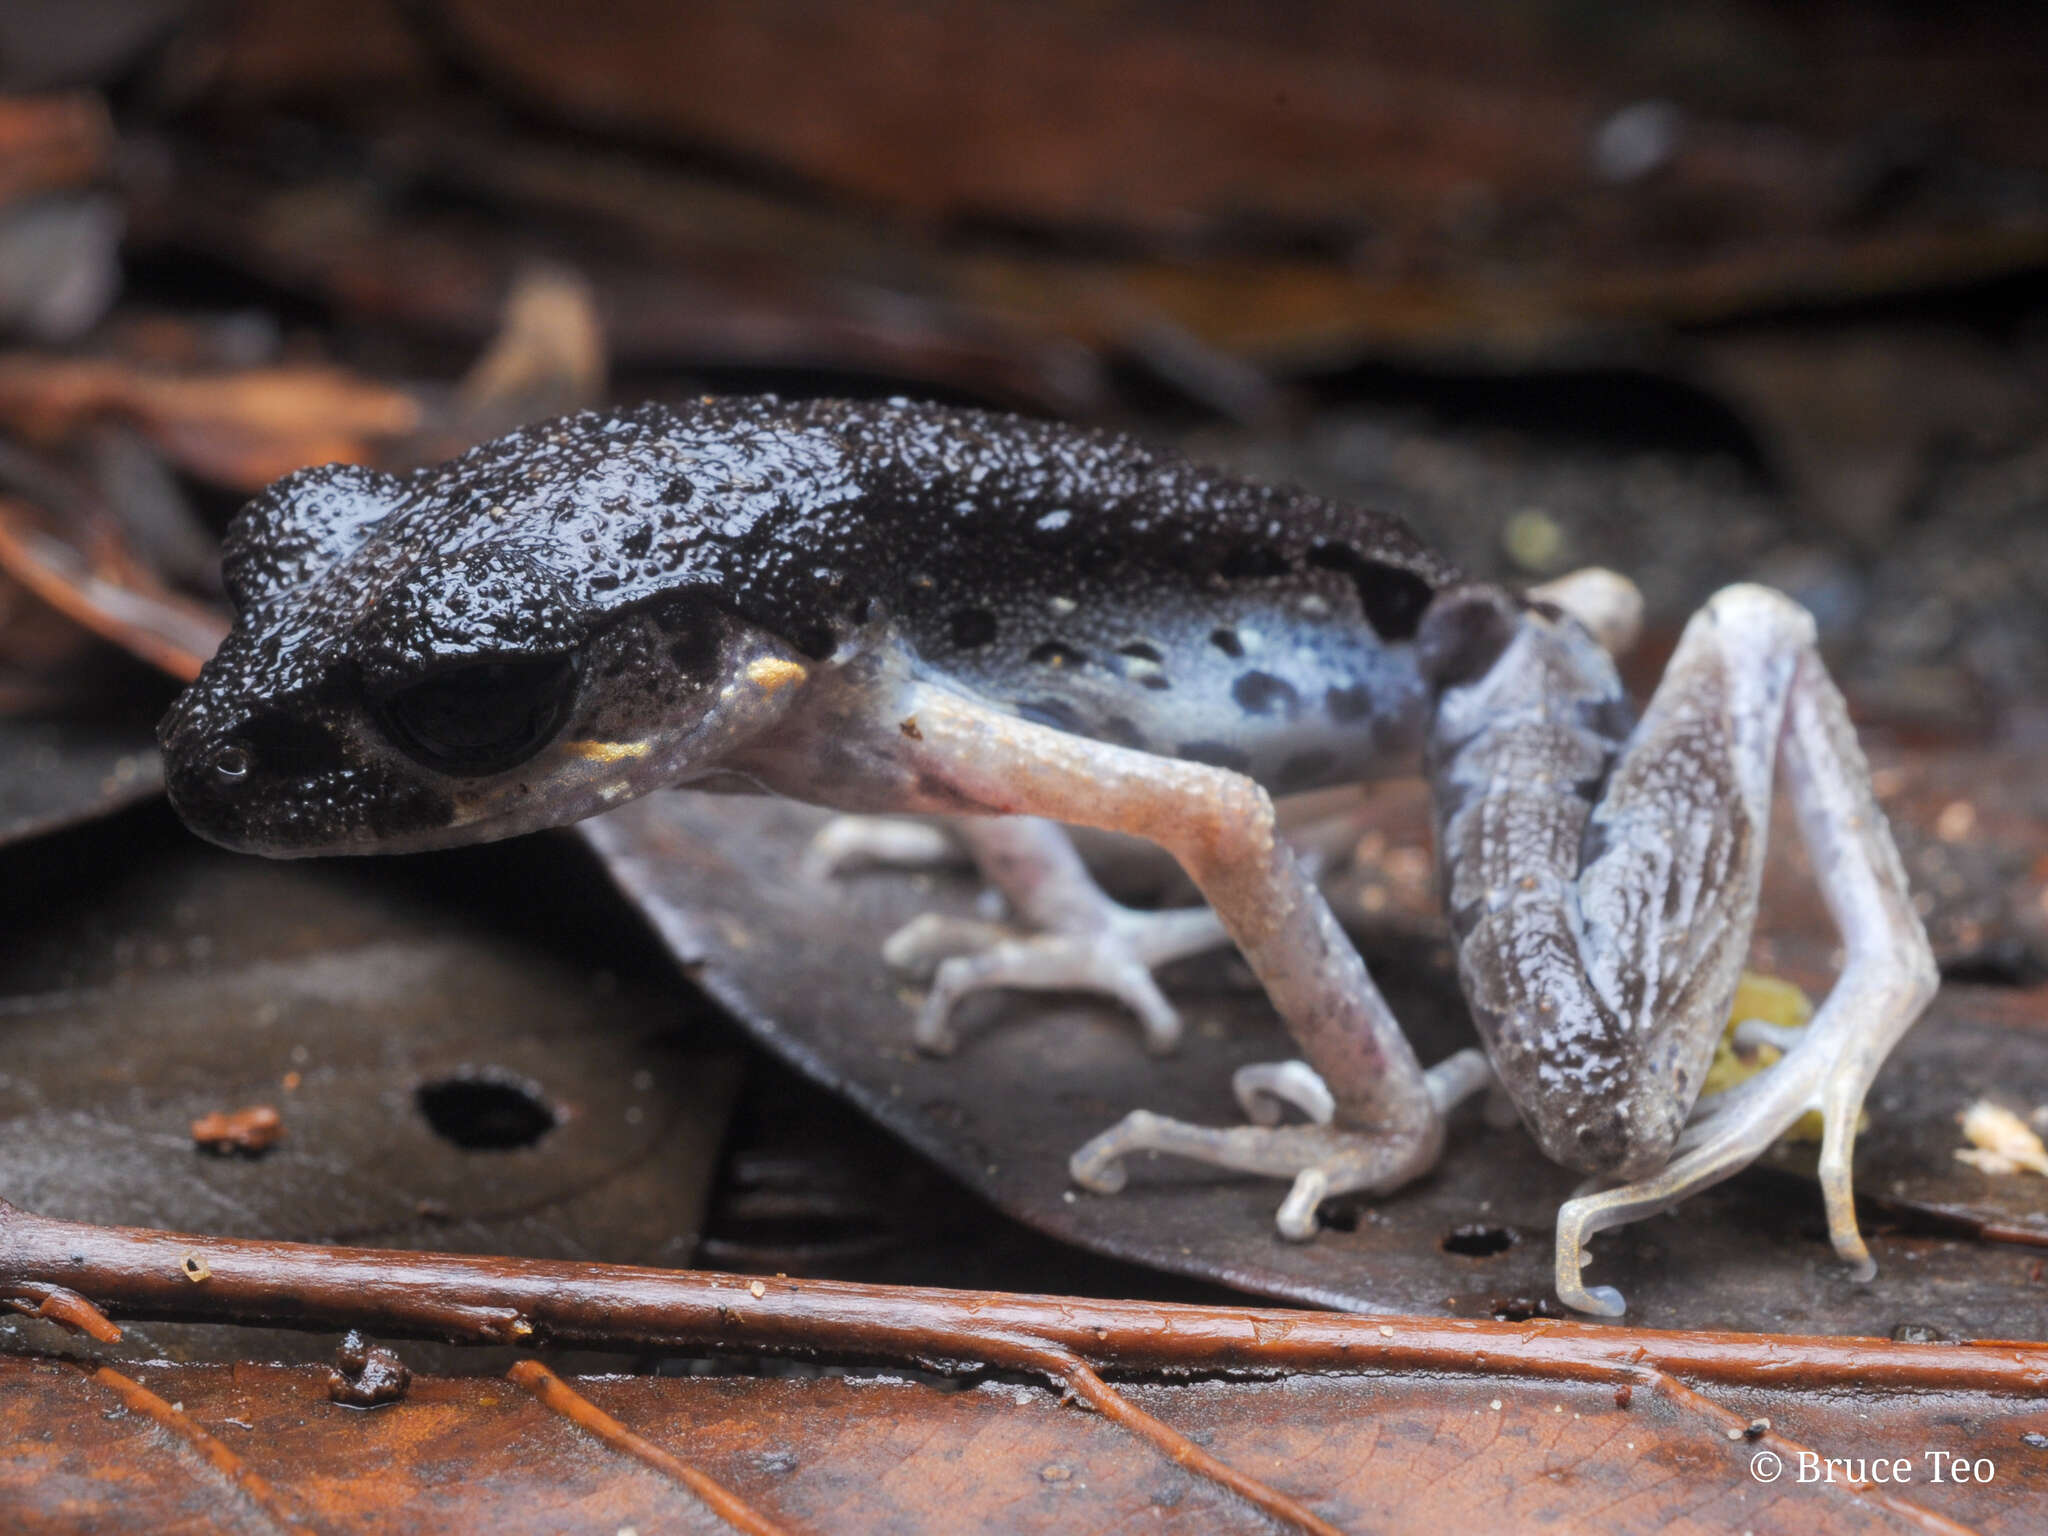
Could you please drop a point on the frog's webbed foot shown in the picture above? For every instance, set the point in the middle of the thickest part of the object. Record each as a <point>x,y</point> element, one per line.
<point>1622,931</point>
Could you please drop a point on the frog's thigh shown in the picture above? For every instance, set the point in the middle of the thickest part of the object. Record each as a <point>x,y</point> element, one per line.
<point>1220,826</point>
<point>1888,974</point>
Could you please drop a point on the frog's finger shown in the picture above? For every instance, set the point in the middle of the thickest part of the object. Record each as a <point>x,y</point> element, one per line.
<point>846,843</point>
<point>1053,962</point>
<point>1263,1086</point>
<point>1092,944</point>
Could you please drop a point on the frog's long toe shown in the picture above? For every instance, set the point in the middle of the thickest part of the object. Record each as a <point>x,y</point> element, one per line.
<point>1321,1157</point>
<point>1321,1160</point>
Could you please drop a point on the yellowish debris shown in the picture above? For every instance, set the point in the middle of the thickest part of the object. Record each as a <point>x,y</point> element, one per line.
<point>1775,1001</point>
<point>2000,1141</point>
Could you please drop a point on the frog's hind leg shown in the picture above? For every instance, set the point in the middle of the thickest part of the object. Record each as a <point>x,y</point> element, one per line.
<point>1638,926</point>
<point>1383,1126</point>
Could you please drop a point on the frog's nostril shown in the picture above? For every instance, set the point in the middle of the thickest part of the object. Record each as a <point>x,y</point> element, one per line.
<point>231,764</point>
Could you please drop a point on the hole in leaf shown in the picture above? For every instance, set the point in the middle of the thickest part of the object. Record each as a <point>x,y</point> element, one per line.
<point>1478,1242</point>
<point>485,1110</point>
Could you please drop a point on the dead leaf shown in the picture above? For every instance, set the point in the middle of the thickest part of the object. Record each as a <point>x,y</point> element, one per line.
<point>1036,1076</point>
<point>103,588</point>
<point>241,429</point>
<point>1392,1450</point>
<point>52,141</point>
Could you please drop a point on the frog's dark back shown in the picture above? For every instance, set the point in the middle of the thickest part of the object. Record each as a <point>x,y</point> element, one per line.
<point>1082,576</point>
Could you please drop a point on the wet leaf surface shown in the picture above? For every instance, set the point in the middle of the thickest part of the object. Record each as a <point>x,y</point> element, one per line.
<point>445,1079</point>
<point>57,772</point>
<point>800,965</point>
<point>876,1451</point>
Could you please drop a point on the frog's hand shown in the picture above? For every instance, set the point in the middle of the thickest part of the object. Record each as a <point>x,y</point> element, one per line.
<point>1384,1125</point>
<point>1599,946</point>
<point>1084,942</point>
<point>1071,936</point>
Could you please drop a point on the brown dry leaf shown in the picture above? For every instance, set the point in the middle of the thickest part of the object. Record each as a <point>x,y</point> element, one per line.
<point>1335,116</point>
<point>451,1077</point>
<point>83,570</point>
<point>799,962</point>
<point>547,359</point>
<point>242,429</point>
<point>1461,181</point>
<point>51,141</point>
<point>1387,1451</point>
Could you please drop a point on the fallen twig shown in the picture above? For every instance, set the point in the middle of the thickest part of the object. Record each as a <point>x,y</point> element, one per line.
<point>140,1273</point>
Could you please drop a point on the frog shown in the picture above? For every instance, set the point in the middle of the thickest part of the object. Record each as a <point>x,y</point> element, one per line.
<point>1019,626</point>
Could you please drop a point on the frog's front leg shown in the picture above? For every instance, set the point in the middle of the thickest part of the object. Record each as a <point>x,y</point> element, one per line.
<point>1603,884</point>
<point>1068,934</point>
<point>1383,1121</point>
<point>1084,941</point>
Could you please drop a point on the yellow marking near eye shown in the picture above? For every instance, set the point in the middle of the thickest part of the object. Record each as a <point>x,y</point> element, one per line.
<point>608,751</point>
<point>771,673</point>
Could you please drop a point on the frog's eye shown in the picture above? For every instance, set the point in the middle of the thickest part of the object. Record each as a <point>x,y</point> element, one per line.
<point>481,719</point>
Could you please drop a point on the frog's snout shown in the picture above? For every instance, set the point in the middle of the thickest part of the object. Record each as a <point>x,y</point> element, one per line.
<point>243,780</point>
<point>203,774</point>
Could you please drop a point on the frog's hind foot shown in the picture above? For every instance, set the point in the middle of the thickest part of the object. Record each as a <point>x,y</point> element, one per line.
<point>1659,915</point>
<point>1322,1158</point>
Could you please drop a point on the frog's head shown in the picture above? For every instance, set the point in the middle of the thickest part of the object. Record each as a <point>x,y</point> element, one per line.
<point>412,667</point>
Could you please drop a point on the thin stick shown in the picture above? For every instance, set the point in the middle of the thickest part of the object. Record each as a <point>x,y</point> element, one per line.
<point>1120,1410</point>
<point>138,1273</point>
